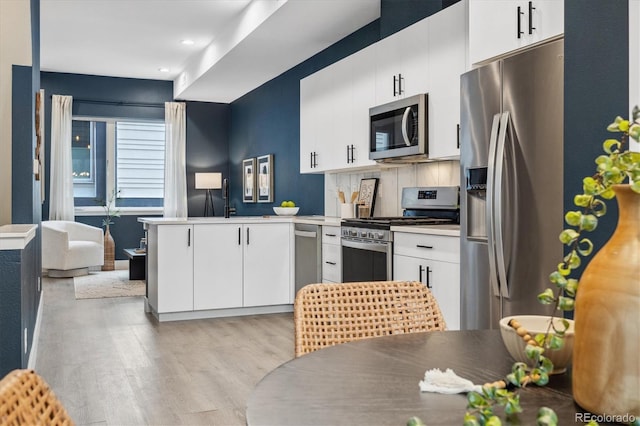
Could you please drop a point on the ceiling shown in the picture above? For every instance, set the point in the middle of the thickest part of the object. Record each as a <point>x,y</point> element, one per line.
<point>237,44</point>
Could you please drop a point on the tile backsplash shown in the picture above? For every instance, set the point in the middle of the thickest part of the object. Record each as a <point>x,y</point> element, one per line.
<point>390,184</point>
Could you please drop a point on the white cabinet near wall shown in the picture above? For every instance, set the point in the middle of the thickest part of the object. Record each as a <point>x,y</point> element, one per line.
<point>334,114</point>
<point>174,276</point>
<point>217,266</point>
<point>433,260</point>
<point>267,264</point>
<point>331,255</point>
<point>402,64</point>
<point>497,27</point>
<point>447,49</point>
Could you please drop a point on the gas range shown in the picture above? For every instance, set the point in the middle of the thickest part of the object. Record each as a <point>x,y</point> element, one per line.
<point>422,206</point>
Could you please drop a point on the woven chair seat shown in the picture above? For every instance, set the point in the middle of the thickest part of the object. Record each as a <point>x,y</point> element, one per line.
<point>26,399</point>
<point>329,314</point>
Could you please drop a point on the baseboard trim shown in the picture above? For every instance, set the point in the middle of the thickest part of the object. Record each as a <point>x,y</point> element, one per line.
<point>33,354</point>
<point>218,313</point>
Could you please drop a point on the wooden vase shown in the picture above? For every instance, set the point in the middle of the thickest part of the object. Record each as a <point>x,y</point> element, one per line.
<point>109,251</point>
<point>606,364</point>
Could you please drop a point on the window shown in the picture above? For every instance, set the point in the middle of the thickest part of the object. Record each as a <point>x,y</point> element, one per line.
<point>125,156</point>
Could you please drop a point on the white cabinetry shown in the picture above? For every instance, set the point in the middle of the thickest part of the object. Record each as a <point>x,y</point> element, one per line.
<point>267,264</point>
<point>447,46</point>
<point>435,261</point>
<point>402,64</point>
<point>334,114</point>
<point>217,266</point>
<point>497,27</point>
<point>174,268</point>
<point>331,255</point>
<point>199,267</point>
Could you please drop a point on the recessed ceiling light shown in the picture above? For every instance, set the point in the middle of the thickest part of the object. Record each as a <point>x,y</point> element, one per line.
<point>187,42</point>
<point>163,69</point>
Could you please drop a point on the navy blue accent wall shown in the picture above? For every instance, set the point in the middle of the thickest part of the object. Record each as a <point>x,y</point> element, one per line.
<point>207,151</point>
<point>267,121</point>
<point>398,14</point>
<point>596,91</point>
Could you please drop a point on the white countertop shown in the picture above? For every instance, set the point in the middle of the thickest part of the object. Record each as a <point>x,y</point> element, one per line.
<point>315,220</point>
<point>446,230</point>
<point>16,236</point>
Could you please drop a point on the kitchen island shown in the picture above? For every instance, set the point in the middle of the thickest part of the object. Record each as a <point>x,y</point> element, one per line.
<point>212,266</point>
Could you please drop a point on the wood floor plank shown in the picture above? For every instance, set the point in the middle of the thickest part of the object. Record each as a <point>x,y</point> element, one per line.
<point>110,363</point>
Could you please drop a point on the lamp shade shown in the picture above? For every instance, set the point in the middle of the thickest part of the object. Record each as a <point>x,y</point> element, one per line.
<point>208,180</point>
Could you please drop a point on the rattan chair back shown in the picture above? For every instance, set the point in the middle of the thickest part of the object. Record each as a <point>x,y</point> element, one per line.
<point>26,399</point>
<point>329,314</point>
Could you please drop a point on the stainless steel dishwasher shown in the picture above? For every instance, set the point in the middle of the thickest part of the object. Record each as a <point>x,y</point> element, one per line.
<point>308,254</point>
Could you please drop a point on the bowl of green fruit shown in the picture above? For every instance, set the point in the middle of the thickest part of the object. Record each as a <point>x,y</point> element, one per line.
<point>287,208</point>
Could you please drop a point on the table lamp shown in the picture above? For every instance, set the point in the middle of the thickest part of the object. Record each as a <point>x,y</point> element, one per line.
<point>208,181</point>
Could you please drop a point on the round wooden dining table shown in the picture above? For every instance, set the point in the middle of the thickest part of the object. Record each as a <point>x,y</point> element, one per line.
<point>375,382</point>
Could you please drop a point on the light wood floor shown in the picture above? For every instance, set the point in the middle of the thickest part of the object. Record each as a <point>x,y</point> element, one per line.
<point>112,364</point>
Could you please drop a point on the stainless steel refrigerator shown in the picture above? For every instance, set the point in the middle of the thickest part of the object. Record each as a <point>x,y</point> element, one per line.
<point>511,161</point>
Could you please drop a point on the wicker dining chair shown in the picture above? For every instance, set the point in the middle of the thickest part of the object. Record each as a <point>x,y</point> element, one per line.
<point>26,399</point>
<point>329,314</point>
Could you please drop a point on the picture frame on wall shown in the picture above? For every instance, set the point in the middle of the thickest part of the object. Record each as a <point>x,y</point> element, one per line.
<point>265,178</point>
<point>249,180</point>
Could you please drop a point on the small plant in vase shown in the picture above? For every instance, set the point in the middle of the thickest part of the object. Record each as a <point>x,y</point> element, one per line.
<point>605,376</point>
<point>110,212</point>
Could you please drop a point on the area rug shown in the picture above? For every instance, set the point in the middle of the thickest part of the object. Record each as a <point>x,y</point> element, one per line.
<point>101,284</point>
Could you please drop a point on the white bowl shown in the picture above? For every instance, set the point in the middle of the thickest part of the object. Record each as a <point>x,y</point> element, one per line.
<point>536,324</point>
<point>286,211</point>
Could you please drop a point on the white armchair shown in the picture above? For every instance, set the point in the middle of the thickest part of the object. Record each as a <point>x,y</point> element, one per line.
<point>70,248</point>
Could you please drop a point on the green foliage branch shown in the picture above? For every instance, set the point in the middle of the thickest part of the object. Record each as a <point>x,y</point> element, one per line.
<point>110,209</point>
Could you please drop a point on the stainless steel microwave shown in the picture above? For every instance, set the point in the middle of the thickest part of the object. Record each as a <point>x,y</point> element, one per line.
<point>398,130</point>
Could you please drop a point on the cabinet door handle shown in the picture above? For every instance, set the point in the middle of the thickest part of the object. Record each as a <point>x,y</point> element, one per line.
<point>518,16</point>
<point>239,235</point>
<point>423,246</point>
<point>311,160</point>
<point>330,263</point>
<point>348,154</point>
<point>247,236</point>
<point>189,237</point>
<point>395,92</point>
<point>458,135</point>
<point>400,84</point>
<point>420,269</point>
<point>531,9</point>
<point>428,279</point>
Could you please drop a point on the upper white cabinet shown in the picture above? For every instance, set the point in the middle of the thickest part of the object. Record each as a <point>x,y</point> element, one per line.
<point>447,48</point>
<point>497,27</point>
<point>402,64</point>
<point>334,114</point>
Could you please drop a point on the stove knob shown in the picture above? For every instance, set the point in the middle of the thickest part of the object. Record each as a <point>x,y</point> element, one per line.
<point>353,233</point>
<point>363,234</point>
<point>370,235</point>
<point>380,235</point>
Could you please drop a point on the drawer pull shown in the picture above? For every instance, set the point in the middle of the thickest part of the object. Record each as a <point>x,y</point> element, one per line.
<point>330,263</point>
<point>424,247</point>
<point>330,235</point>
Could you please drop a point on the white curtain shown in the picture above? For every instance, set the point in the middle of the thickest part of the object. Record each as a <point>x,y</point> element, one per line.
<point>175,163</point>
<point>61,180</point>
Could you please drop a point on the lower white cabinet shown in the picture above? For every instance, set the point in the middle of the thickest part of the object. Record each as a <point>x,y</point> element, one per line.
<point>331,255</point>
<point>434,261</point>
<point>217,266</point>
<point>174,276</point>
<point>199,267</point>
<point>267,264</point>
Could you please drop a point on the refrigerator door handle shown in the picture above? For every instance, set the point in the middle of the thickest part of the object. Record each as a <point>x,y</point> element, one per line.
<point>497,200</point>
<point>493,141</point>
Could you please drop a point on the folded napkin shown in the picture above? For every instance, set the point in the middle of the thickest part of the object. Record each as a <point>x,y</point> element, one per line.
<point>448,382</point>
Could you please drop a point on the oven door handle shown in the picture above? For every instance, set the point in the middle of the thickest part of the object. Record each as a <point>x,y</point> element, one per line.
<point>379,247</point>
